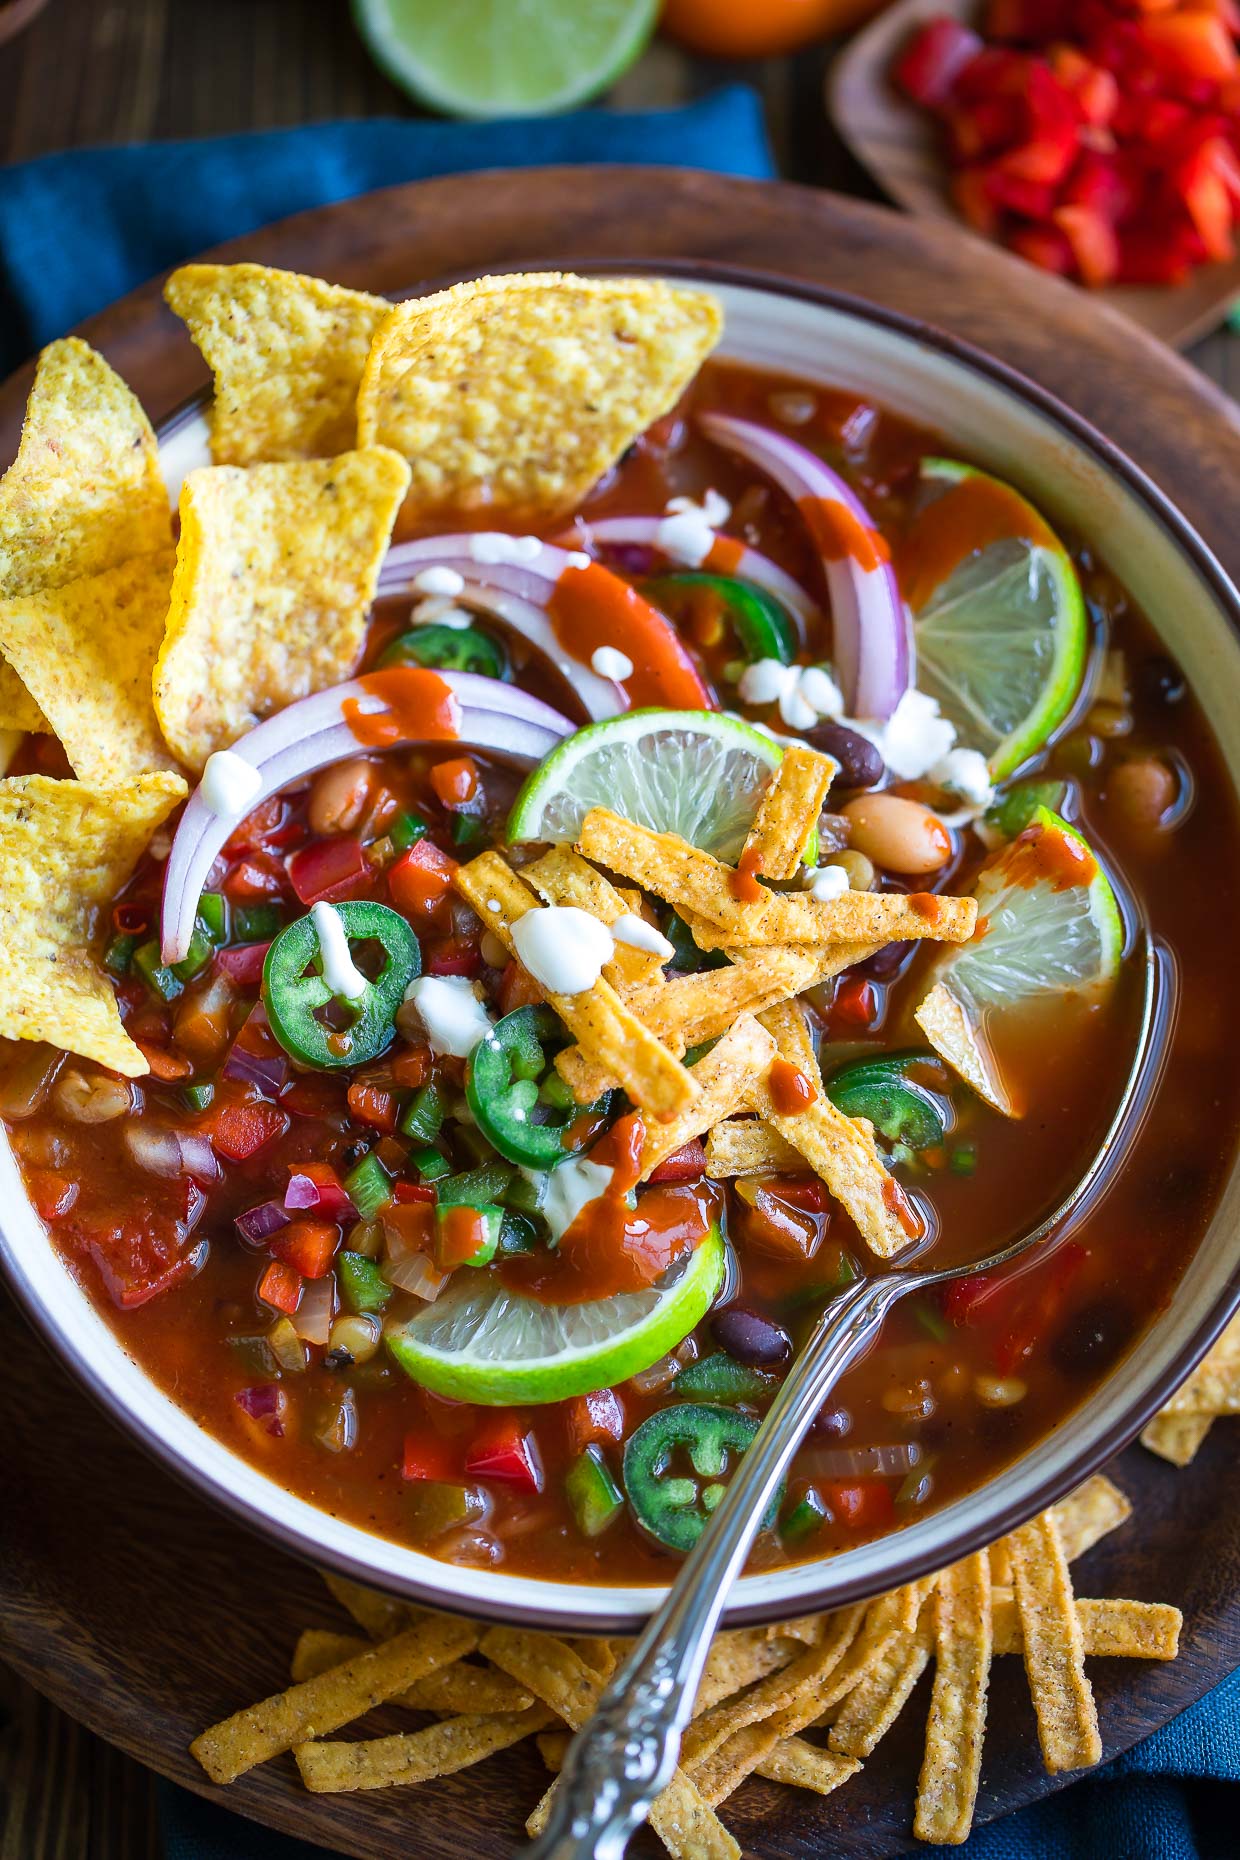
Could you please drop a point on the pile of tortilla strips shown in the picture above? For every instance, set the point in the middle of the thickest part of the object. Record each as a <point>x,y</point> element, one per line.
<point>801,1702</point>
<point>143,646</point>
<point>1212,1390</point>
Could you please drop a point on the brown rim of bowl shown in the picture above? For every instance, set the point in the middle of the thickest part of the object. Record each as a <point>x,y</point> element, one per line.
<point>1116,1437</point>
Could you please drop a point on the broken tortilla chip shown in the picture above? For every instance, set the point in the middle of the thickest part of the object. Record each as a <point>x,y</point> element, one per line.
<point>1089,1514</point>
<point>275,573</point>
<point>1176,1437</point>
<point>722,1078</point>
<point>85,652</point>
<point>65,850</point>
<point>747,1146</point>
<point>515,394</point>
<point>287,354</point>
<point>945,1022</point>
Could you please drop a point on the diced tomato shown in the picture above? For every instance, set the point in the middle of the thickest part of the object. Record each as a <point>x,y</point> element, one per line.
<point>251,833</point>
<point>518,989</point>
<point>259,875</point>
<point>503,1451</point>
<point>314,1187</point>
<point>855,1003</point>
<point>1104,185</point>
<point>595,1417</point>
<point>802,1191</point>
<point>683,1165</point>
<point>932,60</point>
<point>1191,43</point>
<point>1095,246</point>
<point>426,1456</point>
<point>371,1104</point>
<point>1094,89</point>
<point>1155,257</point>
<point>410,1066</point>
<point>1202,186</point>
<point>308,1246</point>
<point>1035,199</point>
<point>141,1252</point>
<point>414,1192</point>
<point>421,879</point>
<point>244,964</point>
<point>240,1130</point>
<point>280,1287</point>
<point>863,1505</point>
<point>328,869</point>
<point>456,782</point>
<point>317,1098</point>
<point>52,1194</point>
<point>1038,1298</point>
<point>164,1065</point>
<point>964,1298</point>
<point>452,955</point>
<point>980,128</point>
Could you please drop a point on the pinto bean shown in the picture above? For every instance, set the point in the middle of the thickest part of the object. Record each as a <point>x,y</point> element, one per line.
<point>340,796</point>
<point>898,835</point>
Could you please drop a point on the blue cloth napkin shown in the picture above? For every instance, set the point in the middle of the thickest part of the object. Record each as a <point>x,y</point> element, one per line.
<point>80,229</point>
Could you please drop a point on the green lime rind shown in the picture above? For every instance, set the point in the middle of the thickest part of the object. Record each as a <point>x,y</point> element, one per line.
<point>696,773</point>
<point>487,58</point>
<point>482,1342</point>
<point>1004,642</point>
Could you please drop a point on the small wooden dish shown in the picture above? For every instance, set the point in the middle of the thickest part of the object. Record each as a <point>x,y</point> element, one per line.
<point>899,145</point>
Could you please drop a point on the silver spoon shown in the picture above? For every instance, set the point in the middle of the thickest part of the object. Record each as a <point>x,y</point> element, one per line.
<point>626,1755</point>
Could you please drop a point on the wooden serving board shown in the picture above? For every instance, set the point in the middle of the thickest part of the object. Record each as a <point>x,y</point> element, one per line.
<point>143,1612</point>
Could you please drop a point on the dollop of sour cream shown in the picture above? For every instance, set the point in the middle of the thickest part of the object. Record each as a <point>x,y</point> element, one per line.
<point>498,546</point>
<point>340,972</point>
<point>914,737</point>
<point>824,881</point>
<point>454,1018</point>
<point>804,693</point>
<point>965,772</point>
<point>230,784</point>
<point>438,579</point>
<point>638,934</point>
<point>687,531</point>
<point>569,1188</point>
<point>563,948</point>
<point>610,662</point>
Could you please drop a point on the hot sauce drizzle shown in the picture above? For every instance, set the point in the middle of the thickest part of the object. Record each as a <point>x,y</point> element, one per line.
<point>968,518</point>
<point>420,705</point>
<point>590,607</point>
<point>743,883</point>
<point>791,1092</point>
<point>725,556</point>
<point>839,535</point>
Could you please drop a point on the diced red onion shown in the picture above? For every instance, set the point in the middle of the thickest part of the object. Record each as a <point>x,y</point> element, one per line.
<point>269,1071</point>
<point>751,565</point>
<point>161,1150</point>
<point>873,633</point>
<point>326,1198</point>
<point>258,1224</point>
<point>660,1375</point>
<point>868,1462</point>
<point>497,718</point>
<point>265,1402</point>
<point>312,1319</point>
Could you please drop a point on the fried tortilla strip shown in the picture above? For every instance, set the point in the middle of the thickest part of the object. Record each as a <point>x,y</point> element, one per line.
<point>801,1765</point>
<point>1176,1437</point>
<point>868,1712</point>
<point>561,876</point>
<point>1214,1386</point>
<point>605,1029</point>
<point>86,652</point>
<point>686,876</point>
<point>810,1672</point>
<point>65,851</point>
<point>416,1756</point>
<point>458,1688</point>
<point>837,1147</point>
<point>334,1698</point>
<point>788,813</point>
<point>723,1078</point>
<point>1110,1630</point>
<point>276,570</point>
<point>562,1680</point>
<point>1054,1651</point>
<point>951,1769</point>
<point>1089,1514</point>
<point>287,353</point>
<point>515,394</point>
<point>945,1022</point>
<point>829,958</point>
<point>379,1615</point>
<point>747,1146</point>
<point>737,1659</point>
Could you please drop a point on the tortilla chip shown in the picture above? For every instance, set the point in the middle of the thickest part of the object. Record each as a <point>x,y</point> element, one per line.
<point>747,1146</point>
<point>287,353</point>
<point>788,813</point>
<point>515,394</point>
<point>380,1615</point>
<point>828,958</point>
<point>416,1756</point>
<point>722,1077</point>
<point>1054,1651</point>
<point>65,850</point>
<point>607,1031</point>
<point>86,652</point>
<point>868,1712</point>
<point>1109,1630</point>
<point>951,1769</point>
<point>276,570</point>
<point>1214,1386</point>
<point>18,710</point>
<point>947,1026</point>
<point>1176,1437</point>
<point>1089,1514</point>
<point>334,1698</point>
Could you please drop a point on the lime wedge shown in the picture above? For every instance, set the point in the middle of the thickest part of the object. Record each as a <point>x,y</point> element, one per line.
<point>1047,924</point>
<point>696,773</point>
<point>482,1342</point>
<point>1002,640</point>
<point>502,58</point>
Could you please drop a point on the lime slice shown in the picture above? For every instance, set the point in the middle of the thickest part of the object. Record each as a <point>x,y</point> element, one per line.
<point>1001,641</point>
<point>482,1342</point>
<point>696,773</point>
<point>501,58</point>
<point>1047,924</point>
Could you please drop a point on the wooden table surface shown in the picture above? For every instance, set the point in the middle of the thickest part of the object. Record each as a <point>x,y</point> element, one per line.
<point>106,71</point>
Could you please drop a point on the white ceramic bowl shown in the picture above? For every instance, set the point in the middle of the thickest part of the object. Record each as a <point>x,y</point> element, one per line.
<point>1007,424</point>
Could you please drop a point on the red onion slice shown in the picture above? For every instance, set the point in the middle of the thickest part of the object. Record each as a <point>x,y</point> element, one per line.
<point>533,580</point>
<point>496,718</point>
<point>734,558</point>
<point>873,635</point>
<point>599,697</point>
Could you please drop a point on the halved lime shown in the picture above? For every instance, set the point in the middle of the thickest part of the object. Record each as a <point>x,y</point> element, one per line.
<point>503,58</point>
<point>482,1342</point>
<point>697,773</point>
<point>1002,641</point>
<point>1048,924</point>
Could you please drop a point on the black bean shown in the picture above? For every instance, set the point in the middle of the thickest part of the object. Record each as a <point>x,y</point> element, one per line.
<point>831,1423</point>
<point>1160,680</point>
<point>861,766</point>
<point>886,963</point>
<point>1094,1338</point>
<point>751,1338</point>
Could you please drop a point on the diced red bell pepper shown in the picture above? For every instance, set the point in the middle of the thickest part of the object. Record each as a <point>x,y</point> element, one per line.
<point>1148,256</point>
<point>315,1188</point>
<point>421,879</point>
<point>1190,43</point>
<point>1093,88</point>
<point>963,1299</point>
<point>503,1451</point>
<point>244,964</point>
<point>254,831</point>
<point>1201,185</point>
<point>598,1417</point>
<point>256,877</point>
<point>328,869</point>
<point>932,59</point>
<point>52,1194</point>
<point>862,1505</point>
<point>410,1066</point>
<point>683,1165</point>
<point>971,195</point>
<point>308,1097</point>
<point>308,1246</point>
<point>239,1131</point>
<point>518,989</point>
<point>1095,246</point>
<point>280,1287</point>
<point>1034,199</point>
<point>1027,22</point>
<point>855,1003</point>
<point>979,129</point>
<point>455,782</point>
<point>1038,1299</point>
<point>427,1456</point>
<point>452,955</point>
<point>422,1192</point>
<point>997,71</point>
<point>1106,185</point>
<point>372,1104</point>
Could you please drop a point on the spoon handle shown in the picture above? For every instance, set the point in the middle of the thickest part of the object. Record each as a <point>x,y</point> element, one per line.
<point>626,1755</point>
